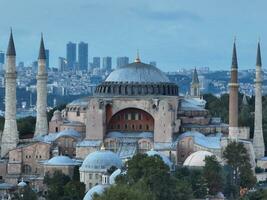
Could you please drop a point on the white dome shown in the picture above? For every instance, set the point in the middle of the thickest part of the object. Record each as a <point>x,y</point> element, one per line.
<point>98,189</point>
<point>101,161</point>
<point>138,72</point>
<point>197,159</point>
<point>61,161</point>
<point>22,184</point>
<point>165,159</point>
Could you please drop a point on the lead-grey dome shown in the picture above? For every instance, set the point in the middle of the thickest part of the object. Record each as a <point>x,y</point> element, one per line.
<point>137,79</point>
<point>138,72</point>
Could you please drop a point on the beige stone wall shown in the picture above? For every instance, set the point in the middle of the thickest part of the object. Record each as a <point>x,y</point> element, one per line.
<point>74,116</point>
<point>90,179</point>
<point>79,128</point>
<point>66,146</point>
<point>26,159</point>
<point>82,152</point>
<point>164,112</point>
<point>3,170</point>
<point>51,169</point>
<point>54,126</point>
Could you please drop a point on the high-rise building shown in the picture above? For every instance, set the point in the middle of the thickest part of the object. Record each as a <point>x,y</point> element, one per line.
<point>62,64</point>
<point>47,58</point>
<point>107,63</point>
<point>96,62</point>
<point>2,57</point>
<point>71,55</point>
<point>83,56</point>
<point>122,61</point>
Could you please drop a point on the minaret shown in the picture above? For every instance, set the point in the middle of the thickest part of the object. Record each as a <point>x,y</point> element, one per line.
<point>258,141</point>
<point>233,98</point>
<point>195,86</point>
<point>41,119</point>
<point>10,136</point>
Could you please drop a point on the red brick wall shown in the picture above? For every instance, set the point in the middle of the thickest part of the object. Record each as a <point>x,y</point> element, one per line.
<point>131,119</point>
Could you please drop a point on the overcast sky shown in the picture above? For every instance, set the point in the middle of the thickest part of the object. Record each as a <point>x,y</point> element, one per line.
<point>174,33</point>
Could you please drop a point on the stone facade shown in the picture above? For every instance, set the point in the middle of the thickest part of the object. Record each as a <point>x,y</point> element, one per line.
<point>10,134</point>
<point>41,118</point>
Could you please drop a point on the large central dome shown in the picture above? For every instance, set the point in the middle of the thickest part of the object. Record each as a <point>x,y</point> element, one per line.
<point>137,79</point>
<point>138,72</point>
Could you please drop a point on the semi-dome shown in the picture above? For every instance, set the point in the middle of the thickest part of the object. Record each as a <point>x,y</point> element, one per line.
<point>137,79</point>
<point>61,161</point>
<point>164,158</point>
<point>197,159</point>
<point>100,161</point>
<point>69,133</point>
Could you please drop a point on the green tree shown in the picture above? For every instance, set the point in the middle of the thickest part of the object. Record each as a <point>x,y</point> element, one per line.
<point>213,175</point>
<point>240,168</point>
<point>55,184</point>
<point>74,190</point>
<point>25,193</point>
<point>124,192</point>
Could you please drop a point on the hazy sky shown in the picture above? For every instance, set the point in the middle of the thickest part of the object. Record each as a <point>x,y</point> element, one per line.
<point>174,33</point>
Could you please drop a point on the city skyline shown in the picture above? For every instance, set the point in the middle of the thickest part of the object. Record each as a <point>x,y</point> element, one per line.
<point>175,34</point>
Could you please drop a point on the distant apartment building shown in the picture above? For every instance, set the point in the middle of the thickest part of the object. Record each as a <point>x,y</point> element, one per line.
<point>2,57</point>
<point>107,63</point>
<point>71,55</point>
<point>47,58</point>
<point>122,61</point>
<point>83,56</point>
<point>96,62</point>
<point>62,64</point>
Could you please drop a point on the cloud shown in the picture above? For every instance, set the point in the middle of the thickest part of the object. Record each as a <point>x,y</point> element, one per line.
<point>166,15</point>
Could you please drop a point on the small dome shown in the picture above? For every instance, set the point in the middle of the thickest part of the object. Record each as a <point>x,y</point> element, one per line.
<point>22,183</point>
<point>113,176</point>
<point>56,116</point>
<point>68,133</point>
<point>61,161</point>
<point>165,159</point>
<point>98,189</point>
<point>101,161</point>
<point>197,159</point>
<point>138,72</point>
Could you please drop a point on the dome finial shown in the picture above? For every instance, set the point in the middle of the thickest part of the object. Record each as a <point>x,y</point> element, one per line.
<point>137,60</point>
<point>102,147</point>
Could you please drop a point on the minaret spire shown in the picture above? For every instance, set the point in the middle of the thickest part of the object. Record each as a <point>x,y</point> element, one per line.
<point>233,97</point>
<point>137,59</point>
<point>41,127</point>
<point>258,140</point>
<point>42,49</point>
<point>11,51</point>
<point>10,134</point>
<point>195,86</point>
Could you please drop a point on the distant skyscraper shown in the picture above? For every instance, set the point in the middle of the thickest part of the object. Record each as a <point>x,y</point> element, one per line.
<point>96,62</point>
<point>83,56</point>
<point>2,57</point>
<point>62,64</point>
<point>107,63</point>
<point>154,63</point>
<point>121,61</point>
<point>71,55</point>
<point>47,58</point>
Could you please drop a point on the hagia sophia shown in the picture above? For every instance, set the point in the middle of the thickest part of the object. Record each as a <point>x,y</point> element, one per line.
<point>135,110</point>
